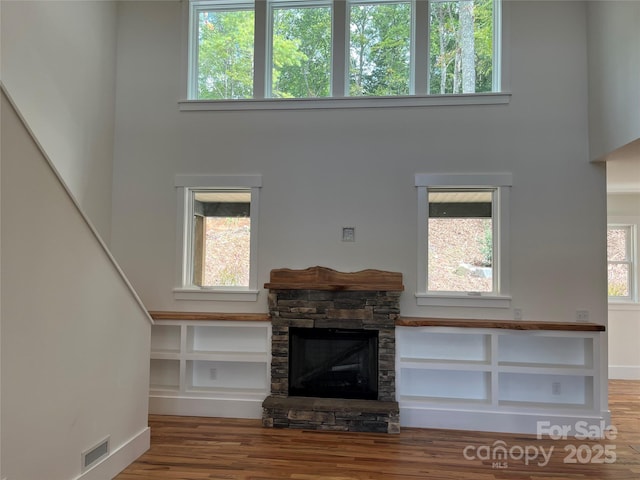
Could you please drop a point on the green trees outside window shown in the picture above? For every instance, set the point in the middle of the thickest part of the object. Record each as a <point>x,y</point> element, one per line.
<point>379,51</point>
<point>225,54</point>
<point>301,59</point>
<point>461,46</point>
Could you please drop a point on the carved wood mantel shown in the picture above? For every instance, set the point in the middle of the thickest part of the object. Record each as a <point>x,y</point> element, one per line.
<point>323,278</point>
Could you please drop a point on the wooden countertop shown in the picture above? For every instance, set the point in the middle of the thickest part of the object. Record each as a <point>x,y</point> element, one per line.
<point>400,322</point>
<point>231,317</point>
<point>504,324</point>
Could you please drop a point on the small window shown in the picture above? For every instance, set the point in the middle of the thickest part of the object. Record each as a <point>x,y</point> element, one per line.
<point>217,248</point>
<point>460,241</point>
<point>221,238</point>
<point>620,262</point>
<point>463,248</point>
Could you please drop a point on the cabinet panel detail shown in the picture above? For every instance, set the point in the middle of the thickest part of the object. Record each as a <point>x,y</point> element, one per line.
<point>550,390</point>
<point>164,375</point>
<point>208,375</point>
<point>550,351</point>
<point>226,339</point>
<point>441,384</point>
<point>421,345</point>
<point>165,338</point>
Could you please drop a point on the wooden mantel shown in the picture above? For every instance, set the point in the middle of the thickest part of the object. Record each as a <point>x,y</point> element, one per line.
<point>323,278</point>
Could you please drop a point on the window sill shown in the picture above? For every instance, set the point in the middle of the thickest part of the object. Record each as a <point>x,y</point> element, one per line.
<point>223,295</point>
<point>345,102</point>
<point>475,301</point>
<point>624,306</point>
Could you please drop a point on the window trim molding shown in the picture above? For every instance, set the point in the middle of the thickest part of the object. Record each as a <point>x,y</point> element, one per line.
<point>252,104</point>
<point>502,182</point>
<point>184,290</point>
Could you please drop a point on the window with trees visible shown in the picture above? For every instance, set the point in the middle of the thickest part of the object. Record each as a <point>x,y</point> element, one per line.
<point>300,49</point>
<point>463,238</point>
<point>620,264</point>
<point>460,240</point>
<point>218,222</point>
<point>384,48</point>
<point>380,48</point>
<point>223,51</point>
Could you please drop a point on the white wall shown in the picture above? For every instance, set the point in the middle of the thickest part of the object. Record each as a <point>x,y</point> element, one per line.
<point>75,341</point>
<point>323,169</point>
<point>614,69</point>
<point>0,270</point>
<point>624,318</point>
<point>58,64</point>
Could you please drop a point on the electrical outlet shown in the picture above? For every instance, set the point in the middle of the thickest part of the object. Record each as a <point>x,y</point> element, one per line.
<point>213,373</point>
<point>555,388</point>
<point>582,315</point>
<point>517,314</point>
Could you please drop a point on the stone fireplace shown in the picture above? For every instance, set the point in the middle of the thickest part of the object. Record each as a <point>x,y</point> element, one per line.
<point>347,325</point>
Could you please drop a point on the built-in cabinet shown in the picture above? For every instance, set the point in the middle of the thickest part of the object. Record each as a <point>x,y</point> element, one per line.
<point>210,367</point>
<point>502,378</point>
<point>509,379</point>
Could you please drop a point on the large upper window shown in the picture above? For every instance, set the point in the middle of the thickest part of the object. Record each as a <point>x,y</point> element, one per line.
<point>463,239</point>
<point>218,218</point>
<point>321,48</point>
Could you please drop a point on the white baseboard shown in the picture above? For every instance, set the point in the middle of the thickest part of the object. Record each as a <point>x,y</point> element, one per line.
<point>120,458</point>
<point>624,372</point>
<point>205,407</point>
<point>491,421</point>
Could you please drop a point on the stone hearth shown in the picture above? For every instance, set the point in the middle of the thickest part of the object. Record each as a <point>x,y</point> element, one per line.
<point>319,297</point>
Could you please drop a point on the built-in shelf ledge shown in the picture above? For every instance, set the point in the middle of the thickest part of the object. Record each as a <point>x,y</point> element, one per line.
<point>208,316</point>
<point>504,324</point>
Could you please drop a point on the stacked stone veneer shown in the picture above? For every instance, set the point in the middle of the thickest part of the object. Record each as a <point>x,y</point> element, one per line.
<point>351,309</point>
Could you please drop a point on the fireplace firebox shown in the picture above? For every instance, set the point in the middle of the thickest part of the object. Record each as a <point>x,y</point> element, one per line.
<point>333,363</point>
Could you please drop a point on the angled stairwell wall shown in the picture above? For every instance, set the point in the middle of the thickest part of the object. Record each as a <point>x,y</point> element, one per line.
<point>75,337</point>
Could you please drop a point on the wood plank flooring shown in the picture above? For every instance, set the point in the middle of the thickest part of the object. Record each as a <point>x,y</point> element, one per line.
<point>193,448</point>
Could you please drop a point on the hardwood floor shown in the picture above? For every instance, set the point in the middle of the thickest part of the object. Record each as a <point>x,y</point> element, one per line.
<point>193,448</point>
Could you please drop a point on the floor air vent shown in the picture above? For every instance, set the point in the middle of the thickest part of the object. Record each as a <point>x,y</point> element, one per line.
<point>93,455</point>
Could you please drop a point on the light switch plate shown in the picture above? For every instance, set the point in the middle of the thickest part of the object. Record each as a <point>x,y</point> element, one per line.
<point>348,234</point>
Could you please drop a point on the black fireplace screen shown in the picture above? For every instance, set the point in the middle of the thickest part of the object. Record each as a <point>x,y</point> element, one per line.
<point>333,363</point>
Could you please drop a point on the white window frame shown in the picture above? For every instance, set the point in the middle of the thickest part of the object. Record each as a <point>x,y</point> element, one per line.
<point>340,73</point>
<point>632,252</point>
<point>501,182</point>
<point>185,186</point>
